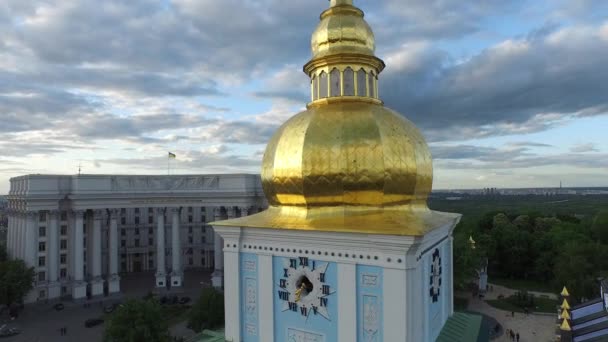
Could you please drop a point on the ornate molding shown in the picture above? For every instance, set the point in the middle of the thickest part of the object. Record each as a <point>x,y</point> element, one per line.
<point>245,211</point>
<point>113,213</point>
<point>174,210</point>
<point>98,214</point>
<point>230,212</point>
<point>31,213</point>
<point>78,212</point>
<point>54,214</point>
<point>163,183</point>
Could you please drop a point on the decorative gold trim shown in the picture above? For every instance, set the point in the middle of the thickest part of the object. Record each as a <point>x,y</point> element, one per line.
<point>344,59</point>
<point>343,99</point>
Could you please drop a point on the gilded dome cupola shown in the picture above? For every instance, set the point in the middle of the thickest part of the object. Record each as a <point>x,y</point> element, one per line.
<point>343,61</point>
<point>347,163</point>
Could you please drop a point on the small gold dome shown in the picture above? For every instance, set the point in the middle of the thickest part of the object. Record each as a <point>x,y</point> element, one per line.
<point>342,30</point>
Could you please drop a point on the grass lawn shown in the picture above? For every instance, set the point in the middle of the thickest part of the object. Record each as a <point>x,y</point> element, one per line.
<point>542,305</point>
<point>528,285</point>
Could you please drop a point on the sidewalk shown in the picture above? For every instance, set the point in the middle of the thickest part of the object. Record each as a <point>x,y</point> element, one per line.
<point>498,290</point>
<point>531,328</point>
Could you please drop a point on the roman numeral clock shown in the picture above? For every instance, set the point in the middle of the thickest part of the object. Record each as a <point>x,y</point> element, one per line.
<point>303,287</point>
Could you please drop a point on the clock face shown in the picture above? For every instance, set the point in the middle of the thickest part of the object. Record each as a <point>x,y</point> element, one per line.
<point>303,288</point>
<point>435,277</point>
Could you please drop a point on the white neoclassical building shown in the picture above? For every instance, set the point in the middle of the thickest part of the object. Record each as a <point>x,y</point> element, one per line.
<point>81,231</point>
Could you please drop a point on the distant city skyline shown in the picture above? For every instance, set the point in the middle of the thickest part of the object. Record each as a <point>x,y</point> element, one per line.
<point>508,94</point>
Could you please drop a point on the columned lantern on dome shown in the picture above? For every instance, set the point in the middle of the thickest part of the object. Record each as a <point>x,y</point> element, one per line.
<point>348,249</point>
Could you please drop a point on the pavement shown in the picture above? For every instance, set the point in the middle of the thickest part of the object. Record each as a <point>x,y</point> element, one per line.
<point>531,328</point>
<point>41,323</point>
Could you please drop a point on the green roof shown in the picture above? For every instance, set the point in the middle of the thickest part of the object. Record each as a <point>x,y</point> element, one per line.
<point>463,327</point>
<point>210,336</point>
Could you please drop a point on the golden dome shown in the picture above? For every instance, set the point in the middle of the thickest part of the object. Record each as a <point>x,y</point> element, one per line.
<point>347,153</point>
<point>342,30</point>
<point>346,163</point>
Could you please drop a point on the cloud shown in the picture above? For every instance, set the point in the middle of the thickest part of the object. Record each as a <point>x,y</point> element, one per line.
<point>582,148</point>
<point>517,86</point>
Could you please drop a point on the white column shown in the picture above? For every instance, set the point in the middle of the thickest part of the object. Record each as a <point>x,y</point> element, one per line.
<point>97,281</point>
<point>53,253</point>
<point>20,234</point>
<point>347,303</point>
<point>395,309</point>
<point>176,253</point>
<point>161,272</point>
<point>31,239</point>
<point>244,211</point>
<point>266,298</point>
<point>114,278</point>
<point>9,234</point>
<point>232,300</point>
<point>79,288</point>
<point>217,278</point>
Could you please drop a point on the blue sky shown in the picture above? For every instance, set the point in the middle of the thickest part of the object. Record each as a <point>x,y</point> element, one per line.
<point>507,93</point>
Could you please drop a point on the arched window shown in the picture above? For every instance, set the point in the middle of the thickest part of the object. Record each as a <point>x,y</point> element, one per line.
<point>349,82</point>
<point>315,87</point>
<point>361,82</point>
<point>323,85</point>
<point>376,84</point>
<point>334,77</point>
<point>371,87</point>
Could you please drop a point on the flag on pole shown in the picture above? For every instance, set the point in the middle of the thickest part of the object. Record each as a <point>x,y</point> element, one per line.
<point>171,155</point>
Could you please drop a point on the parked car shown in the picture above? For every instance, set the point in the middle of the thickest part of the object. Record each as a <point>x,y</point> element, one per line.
<point>109,308</point>
<point>58,306</point>
<point>184,300</point>
<point>91,322</point>
<point>7,332</point>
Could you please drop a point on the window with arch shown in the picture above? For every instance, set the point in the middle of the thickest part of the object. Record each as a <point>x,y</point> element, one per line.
<point>315,88</point>
<point>361,82</point>
<point>371,88</point>
<point>376,86</point>
<point>349,82</point>
<point>334,81</point>
<point>323,85</point>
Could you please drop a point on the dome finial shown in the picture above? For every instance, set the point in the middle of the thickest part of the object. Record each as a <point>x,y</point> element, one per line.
<point>334,3</point>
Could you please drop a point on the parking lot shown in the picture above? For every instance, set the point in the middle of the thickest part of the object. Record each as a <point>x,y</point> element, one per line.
<point>41,322</point>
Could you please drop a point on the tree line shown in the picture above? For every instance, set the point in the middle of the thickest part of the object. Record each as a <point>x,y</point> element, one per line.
<point>558,250</point>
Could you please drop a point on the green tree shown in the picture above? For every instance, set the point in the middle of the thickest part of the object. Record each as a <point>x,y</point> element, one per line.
<point>467,261</point>
<point>16,280</point>
<point>208,311</point>
<point>599,227</point>
<point>137,321</point>
<point>3,253</point>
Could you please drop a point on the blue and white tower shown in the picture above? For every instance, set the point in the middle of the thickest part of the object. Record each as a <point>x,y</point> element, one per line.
<point>348,249</point>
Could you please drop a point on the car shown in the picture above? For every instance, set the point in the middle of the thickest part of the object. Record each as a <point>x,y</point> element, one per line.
<point>164,300</point>
<point>58,306</point>
<point>109,308</point>
<point>7,332</point>
<point>184,300</point>
<point>91,322</point>
<point>175,300</point>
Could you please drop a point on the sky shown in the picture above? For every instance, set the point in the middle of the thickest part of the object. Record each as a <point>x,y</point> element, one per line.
<point>507,93</point>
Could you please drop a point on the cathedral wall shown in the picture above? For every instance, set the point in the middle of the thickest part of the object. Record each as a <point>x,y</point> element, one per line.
<point>314,317</point>
<point>436,289</point>
<point>370,300</point>
<point>249,293</point>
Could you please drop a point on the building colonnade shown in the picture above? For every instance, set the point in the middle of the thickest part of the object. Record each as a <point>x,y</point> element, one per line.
<point>65,247</point>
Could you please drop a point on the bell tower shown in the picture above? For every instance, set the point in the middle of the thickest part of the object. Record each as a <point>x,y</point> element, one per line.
<point>348,249</point>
